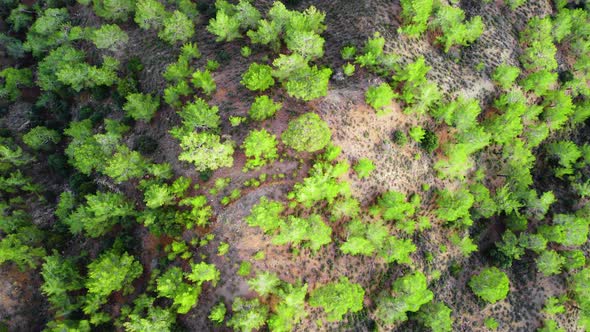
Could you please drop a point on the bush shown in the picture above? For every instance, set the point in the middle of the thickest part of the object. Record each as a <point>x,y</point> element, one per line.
<point>399,138</point>
<point>177,28</point>
<point>338,298</point>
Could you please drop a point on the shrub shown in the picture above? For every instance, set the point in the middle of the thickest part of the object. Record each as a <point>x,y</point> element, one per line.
<point>415,15</point>
<point>449,20</point>
<point>409,292</point>
<point>429,141</point>
<point>505,75</point>
<point>204,81</point>
<point>109,36</point>
<point>224,26</point>
<point>150,14</point>
<point>206,151</point>
<point>364,167</point>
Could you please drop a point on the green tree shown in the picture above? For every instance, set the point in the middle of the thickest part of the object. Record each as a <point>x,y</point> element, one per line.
<point>224,26</point>
<point>260,148</point>
<point>580,287</point>
<point>379,96</point>
<point>109,36</point>
<point>308,83</point>
<point>409,293</point>
<point>125,164</point>
<point>177,28</point>
<point>264,283</point>
<point>100,213</point>
<point>141,106</point>
<point>218,312</point>
<point>266,215</point>
<point>171,285</point>
<point>415,15</point>
<point>60,276</point>
<point>454,205</point>
<point>116,10</point>
<point>258,77</point>
<point>110,272</point>
<point>41,138</point>
<point>364,167</point>
<point>13,79</point>
<point>505,75</point>
<point>247,315</point>
<point>450,20</point>
<point>204,81</point>
<point>550,262</point>
<point>263,108</point>
<point>199,115</point>
<point>307,133</point>
<point>202,272</point>
<point>436,316</point>
<point>150,14</point>
<point>308,44</point>
<point>19,18</point>
<point>338,298</point>
<point>491,284</point>
<point>206,151</point>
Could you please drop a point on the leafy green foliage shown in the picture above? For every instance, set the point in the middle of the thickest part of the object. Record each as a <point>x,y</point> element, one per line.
<point>409,293</point>
<point>125,164</point>
<point>307,133</point>
<point>141,106</point>
<point>13,79</point>
<point>177,28</point>
<point>321,184</point>
<point>204,81</point>
<point>149,14</point>
<point>109,36</point>
<point>260,148</point>
<point>40,138</point>
<point>312,231</point>
<point>550,262</point>
<point>110,272</point>
<point>247,315</point>
<point>505,75</point>
<point>415,15</point>
<point>567,153</point>
<point>266,215</point>
<point>100,213</point>
<point>258,77</point>
<point>338,298</point>
<point>224,26</point>
<point>218,312</point>
<point>450,20</point>
<point>454,205</point>
<point>199,115</point>
<point>116,10</point>
<point>202,272</point>
<point>436,316</point>
<point>393,205</point>
<point>490,284</point>
<point>60,276</point>
<point>580,286</point>
<point>171,285</point>
<point>263,108</point>
<point>264,283</point>
<point>364,167</point>
<point>206,151</point>
<point>379,96</point>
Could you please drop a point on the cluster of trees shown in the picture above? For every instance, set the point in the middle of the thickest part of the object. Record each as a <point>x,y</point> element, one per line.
<point>299,31</point>
<point>449,20</point>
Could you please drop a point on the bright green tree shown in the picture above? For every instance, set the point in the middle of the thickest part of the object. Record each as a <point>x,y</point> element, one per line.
<point>379,96</point>
<point>247,315</point>
<point>491,284</point>
<point>415,14</point>
<point>258,77</point>
<point>260,148</point>
<point>109,36</point>
<point>177,28</point>
<point>141,106</point>
<point>150,14</point>
<point>40,138</point>
<point>171,285</point>
<point>266,215</point>
<point>409,293</point>
<point>263,108</point>
<point>338,298</point>
<point>307,133</point>
<point>206,151</point>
